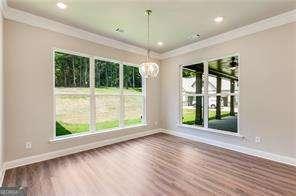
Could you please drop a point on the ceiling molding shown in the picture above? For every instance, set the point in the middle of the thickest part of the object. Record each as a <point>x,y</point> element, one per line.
<point>262,25</point>
<point>3,5</point>
<point>44,23</point>
<point>41,22</point>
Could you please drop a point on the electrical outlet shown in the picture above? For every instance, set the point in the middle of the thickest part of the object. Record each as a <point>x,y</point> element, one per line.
<point>257,139</point>
<point>155,123</point>
<point>28,145</point>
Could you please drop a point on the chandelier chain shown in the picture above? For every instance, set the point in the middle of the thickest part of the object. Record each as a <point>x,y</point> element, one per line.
<point>148,34</point>
<point>148,69</point>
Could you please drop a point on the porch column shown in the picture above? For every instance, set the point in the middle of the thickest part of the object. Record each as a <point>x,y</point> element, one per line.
<point>218,98</point>
<point>232,86</point>
<point>198,105</point>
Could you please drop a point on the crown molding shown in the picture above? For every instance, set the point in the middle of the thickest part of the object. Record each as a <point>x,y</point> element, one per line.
<point>44,23</point>
<point>3,5</point>
<point>262,25</point>
<point>41,22</point>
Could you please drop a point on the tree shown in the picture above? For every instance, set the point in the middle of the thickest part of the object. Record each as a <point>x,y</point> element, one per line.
<point>73,71</point>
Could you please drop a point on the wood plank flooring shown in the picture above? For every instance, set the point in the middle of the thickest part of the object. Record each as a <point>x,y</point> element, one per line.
<point>159,164</point>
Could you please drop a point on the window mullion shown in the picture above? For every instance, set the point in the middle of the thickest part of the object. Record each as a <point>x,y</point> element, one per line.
<point>206,94</point>
<point>92,95</point>
<point>121,112</point>
<point>144,105</point>
<point>181,94</point>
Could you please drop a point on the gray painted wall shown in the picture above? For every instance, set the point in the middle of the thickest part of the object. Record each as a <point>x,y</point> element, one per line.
<point>1,92</point>
<point>267,89</point>
<point>28,73</point>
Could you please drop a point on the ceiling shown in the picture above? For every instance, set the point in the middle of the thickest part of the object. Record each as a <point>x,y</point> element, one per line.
<point>172,22</point>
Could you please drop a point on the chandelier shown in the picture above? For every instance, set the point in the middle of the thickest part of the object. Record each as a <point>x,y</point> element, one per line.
<point>148,69</point>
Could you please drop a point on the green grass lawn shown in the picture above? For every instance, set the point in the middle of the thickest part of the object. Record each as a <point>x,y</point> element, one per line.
<point>72,111</point>
<point>189,115</point>
<point>66,128</point>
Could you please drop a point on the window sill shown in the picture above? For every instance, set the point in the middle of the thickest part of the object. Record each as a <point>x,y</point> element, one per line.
<point>90,133</point>
<point>211,130</point>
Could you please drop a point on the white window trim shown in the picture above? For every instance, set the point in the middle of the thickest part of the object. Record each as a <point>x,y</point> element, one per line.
<point>94,133</point>
<point>206,95</point>
<point>92,96</point>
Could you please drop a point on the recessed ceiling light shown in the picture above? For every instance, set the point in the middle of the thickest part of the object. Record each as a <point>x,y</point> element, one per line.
<point>160,43</point>
<point>218,19</point>
<point>61,5</point>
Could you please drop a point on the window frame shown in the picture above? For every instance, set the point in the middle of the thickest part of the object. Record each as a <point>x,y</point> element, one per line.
<point>92,96</point>
<point>206,96</point>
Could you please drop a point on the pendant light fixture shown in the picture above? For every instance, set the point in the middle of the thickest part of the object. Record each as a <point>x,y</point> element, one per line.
<point>148,69</point>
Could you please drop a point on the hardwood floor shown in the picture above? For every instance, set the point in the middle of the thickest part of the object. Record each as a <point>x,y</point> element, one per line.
<point>159,164</point>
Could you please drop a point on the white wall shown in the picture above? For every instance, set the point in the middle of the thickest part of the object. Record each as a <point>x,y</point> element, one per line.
<point>28,73</point>
<point>1,92</point>
<point>267,89</point>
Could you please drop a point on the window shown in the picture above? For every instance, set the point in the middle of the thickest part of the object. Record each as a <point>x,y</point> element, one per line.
<point>107,93</point>
<point>210,94</point>
<point>193,97</point>
<point>72,93</point>
<point>94,94</point>
<point>133,98</point>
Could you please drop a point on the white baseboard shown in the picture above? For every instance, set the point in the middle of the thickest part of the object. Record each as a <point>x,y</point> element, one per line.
<point>245,150</point>
<point>68,151</point>
<point>64,152</point>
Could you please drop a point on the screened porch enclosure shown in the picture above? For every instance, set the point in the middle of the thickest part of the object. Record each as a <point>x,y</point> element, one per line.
<point>210,94</point>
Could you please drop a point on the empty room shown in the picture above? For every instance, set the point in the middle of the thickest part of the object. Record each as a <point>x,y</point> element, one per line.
<point>144,98</point>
